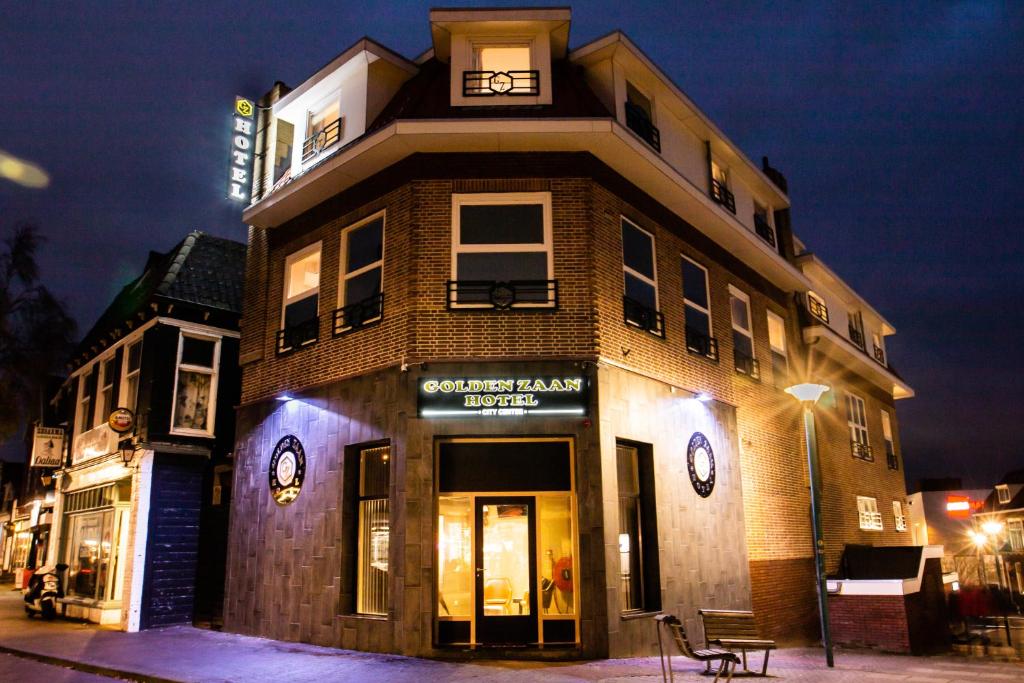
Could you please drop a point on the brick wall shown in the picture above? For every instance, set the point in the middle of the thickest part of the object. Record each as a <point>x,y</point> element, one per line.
<point>869,621</point>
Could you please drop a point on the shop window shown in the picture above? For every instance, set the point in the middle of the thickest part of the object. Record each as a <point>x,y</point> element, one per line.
<point>501,251</point>
<point>374,531</point>
<point>639,577</point>
<point>640,275</point>
<point>300,310</point>
<point>361,295</point>
<point>777,343</point>
<point>105,398</point>
<point>1015,534</point>
<point>697,301</point>
<point>867,511</point>
<point>196,384</point>
<point>890,447</point>
<point>95,532</point>
<point>132,364</point>
<point>742,335</point>
<point>857,421</point>
<point>557,567</point>
<point>455,576</point>
<point>898,516</point>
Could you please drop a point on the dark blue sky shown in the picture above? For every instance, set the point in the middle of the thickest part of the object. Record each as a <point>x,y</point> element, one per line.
<point>899,125</point>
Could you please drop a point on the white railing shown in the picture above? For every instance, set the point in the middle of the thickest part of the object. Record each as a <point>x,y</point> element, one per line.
<point>93,443</point>
<point>871,520</point>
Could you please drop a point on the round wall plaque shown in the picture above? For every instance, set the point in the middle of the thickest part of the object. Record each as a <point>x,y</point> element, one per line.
<point>700,462</point>
<point>287,470</point>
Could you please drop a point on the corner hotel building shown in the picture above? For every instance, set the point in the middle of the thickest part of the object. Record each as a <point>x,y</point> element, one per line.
<point>517,322</point>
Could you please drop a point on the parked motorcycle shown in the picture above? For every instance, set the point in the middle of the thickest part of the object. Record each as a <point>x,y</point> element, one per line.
<point>45,586</point>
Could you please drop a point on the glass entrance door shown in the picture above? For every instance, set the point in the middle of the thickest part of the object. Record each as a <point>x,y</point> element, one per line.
<point>506,551</point>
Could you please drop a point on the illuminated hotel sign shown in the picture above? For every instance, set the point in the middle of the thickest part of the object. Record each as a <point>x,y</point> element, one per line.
<point>502,396</point>
<point>243,132</point>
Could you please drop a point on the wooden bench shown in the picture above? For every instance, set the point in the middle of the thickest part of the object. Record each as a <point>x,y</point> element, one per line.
<point>735,630</point>
<point>677,634</point>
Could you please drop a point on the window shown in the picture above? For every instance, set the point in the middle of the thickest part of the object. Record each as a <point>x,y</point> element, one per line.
<point>283,149</point>
<point>697,305</point>
<point>640,116</point>
<point>856,328</point>
<point>362,265</point>
<point>720,191</point>
<point>501,68</point>
<point>95,540</point>
<point>374,531</point>
<point>105,404</point>
<point>870,517</point>
<point>857,420</point>
<point>501,251</point>
<point>639,576</point>
<point>763,223</point>
<point>890,446</point>
<point>323,128</point>
<point>816,305</point>
<point>878,351</point>
<point>195,393</point>
<point>1015,532</point>
<point>742,335</point>
<point>300,312</point>
<point>640,275</point>
<point>501,57</point>
<point>777,342</point>
<point>897,513</point>
<point>131,366</point>
<point>1003,492</point>
<point>86,387</point>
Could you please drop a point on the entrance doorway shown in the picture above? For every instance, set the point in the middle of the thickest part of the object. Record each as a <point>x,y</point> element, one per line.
<point>506,607</point>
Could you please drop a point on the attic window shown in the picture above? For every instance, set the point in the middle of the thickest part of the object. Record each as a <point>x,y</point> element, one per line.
<point>501,69</point>
<point>1003,491</point>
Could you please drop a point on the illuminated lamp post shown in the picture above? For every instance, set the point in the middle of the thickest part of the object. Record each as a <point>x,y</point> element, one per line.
<point>979,539</point>
<point>992,529</point>
<point>808,395</point>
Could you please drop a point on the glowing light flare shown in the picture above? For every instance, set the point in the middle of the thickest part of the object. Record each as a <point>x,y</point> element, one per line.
<point>704,397</point>
<point>978,539</point>
<point>992,527</point>
<point>808,391</point>
<point>22,172</point>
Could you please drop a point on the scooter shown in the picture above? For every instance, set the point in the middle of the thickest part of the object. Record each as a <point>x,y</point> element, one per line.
<point>45,586</point>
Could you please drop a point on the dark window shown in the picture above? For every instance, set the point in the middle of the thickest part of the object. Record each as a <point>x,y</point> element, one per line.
<point>501,224</point>
<point>639,576</point>
<point>640,280</point>
<point>503,267</point>
<point>301,311</point>
<point>197,352</point>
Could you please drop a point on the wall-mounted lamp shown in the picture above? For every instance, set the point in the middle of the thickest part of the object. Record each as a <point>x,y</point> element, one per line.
<point>127,451</point>
<point>704,397</point>
<point>46,478</point>
<point>284,397</point>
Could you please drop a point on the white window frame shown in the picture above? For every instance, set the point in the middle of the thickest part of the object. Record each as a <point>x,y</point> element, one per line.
<point>898,516</point>
<point>867,511</point>
<point>478,44</point>
<point>83,397</point>
<point>1003,494</point>
<point>857,429</point>
<point>887,431</point>
<point>707,294</point>
<point>501,198</point>
<point>102,382</point>
<point>127,375</point>
<point>311,115</point>
<point>654,262</point>
<point>289,260</point>
<point>214,373</point>
<point>344,277</point>
<point>1015,532</point>
<point>749,334</point>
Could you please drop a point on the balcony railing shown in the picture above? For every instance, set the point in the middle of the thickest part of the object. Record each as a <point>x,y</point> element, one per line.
<point>862,451</point>
<point>764,230</point>
<point>879,354</point>
<point>723,195</point>
<point>298,336</point>
<point>636,314</point>
<point>638,122</point>
<point>745,365</point>
<point>856,336</point>
<point>871,520</point>
<point>890,456</point>
<point>318,142</point>
<point>701,344</point>
<point>818,309</point>
<point>359,314</point>
<point>492,83</point>
<point>492,294</point>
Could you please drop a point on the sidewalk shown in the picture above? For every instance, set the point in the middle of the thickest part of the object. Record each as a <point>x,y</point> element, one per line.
<point>189,654</point>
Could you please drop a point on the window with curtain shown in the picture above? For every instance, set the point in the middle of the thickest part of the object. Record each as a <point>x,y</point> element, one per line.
<point>374,531</point>
<point>196,387</point>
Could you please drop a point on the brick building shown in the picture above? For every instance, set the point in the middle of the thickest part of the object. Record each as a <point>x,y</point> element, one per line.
<point>517,324</point>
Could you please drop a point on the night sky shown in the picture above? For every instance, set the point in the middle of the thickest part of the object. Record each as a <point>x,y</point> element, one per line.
<point>899,126</point>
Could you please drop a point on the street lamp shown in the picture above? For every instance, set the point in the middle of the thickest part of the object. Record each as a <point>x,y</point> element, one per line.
<point>808,394</point>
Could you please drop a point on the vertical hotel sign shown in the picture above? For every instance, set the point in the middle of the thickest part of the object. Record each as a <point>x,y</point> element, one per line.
<point>243,133</point>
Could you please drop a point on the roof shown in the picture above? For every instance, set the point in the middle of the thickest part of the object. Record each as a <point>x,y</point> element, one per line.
<point>201,270</point>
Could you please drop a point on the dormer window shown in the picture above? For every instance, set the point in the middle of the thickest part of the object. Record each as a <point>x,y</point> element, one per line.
<point>501,68</point>
<point>1003,493</point>
<point>323,128</point>
<point>763,223</point>
<point>640,117</point>
<point>720,191</point>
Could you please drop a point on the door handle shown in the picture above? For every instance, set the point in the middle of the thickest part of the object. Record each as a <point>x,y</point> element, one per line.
<point>480,571</point>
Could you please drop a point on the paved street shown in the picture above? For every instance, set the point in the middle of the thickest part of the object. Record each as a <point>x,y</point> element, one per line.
<point>188,654</point>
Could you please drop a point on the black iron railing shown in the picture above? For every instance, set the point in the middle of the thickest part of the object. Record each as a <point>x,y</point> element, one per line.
<point>763,230</point>
<point>862,451</point>
<point>298,336</point>
<point>636,314</point>
<point>879,355</point>
<point>701,344</point>
<point>492,83</point>
<point>723,195</point>
<point>502,295</point>
<point>818,309</point>
<point>318,142</point>
<point>359,314</point>
<point>745,365</point>
<point>639,122</point>
<point>856,336</point>
<point>890,456</point>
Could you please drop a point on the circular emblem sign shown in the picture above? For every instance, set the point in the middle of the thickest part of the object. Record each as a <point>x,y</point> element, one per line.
<point>121,421</point>
<point>287,470</point>
<point>700,461</point>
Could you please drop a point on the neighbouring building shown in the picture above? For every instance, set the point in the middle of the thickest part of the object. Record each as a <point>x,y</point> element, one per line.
<point>141,517</point>
<point>518,319</point>
<point>999,535</point>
